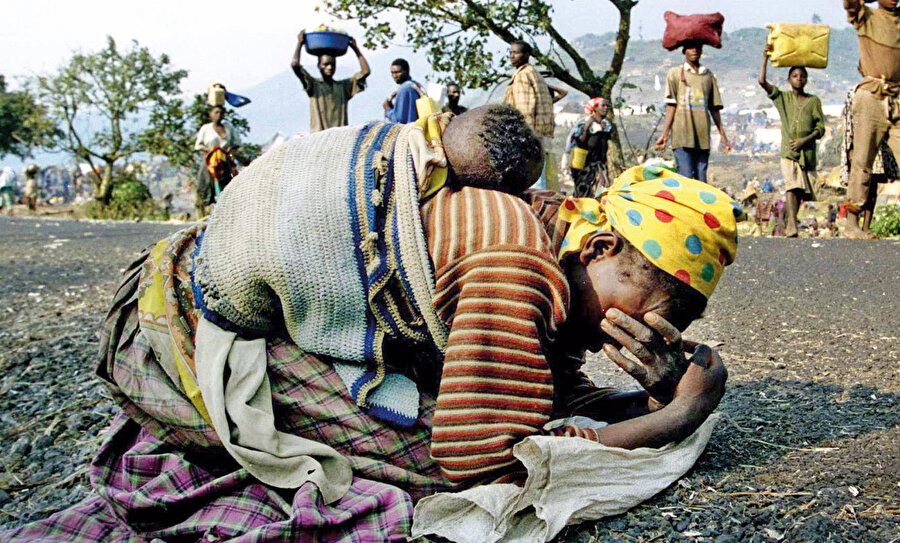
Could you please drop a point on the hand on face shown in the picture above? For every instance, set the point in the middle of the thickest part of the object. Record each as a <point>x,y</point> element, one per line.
<point>659,350</point>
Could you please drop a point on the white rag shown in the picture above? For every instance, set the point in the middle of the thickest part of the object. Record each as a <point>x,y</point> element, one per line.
<point>570,480</point>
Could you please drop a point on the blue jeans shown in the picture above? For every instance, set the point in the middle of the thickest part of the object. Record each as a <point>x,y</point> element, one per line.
<point>692,162</point>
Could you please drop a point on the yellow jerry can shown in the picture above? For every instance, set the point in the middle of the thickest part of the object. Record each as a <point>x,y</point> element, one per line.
<point>215,95</point>
<point>795,44</point>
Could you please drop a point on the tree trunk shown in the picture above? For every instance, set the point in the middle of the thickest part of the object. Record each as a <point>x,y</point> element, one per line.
<point>106,184</point>
<point>615,157</point>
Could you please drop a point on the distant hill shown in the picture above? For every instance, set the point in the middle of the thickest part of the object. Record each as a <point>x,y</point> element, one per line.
<point>280,105</point>
<point>736,66</point>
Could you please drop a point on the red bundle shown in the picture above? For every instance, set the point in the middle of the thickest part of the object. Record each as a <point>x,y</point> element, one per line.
<point>705,28</point>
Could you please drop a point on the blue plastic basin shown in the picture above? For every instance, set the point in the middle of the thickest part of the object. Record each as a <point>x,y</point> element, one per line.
<point>326,42</point>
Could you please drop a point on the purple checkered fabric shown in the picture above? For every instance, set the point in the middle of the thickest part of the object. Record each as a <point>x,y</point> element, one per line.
<point>149,490</point>
<point>162,473</point>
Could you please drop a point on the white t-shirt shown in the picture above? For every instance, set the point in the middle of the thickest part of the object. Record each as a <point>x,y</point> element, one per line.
<point>207,137</point>
<point>7,177</point>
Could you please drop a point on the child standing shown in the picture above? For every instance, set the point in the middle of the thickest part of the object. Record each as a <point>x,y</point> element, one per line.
<point>802,123</point>
<point>692,97</point>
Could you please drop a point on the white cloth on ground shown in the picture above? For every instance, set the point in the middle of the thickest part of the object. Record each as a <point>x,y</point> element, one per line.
<point>570,480</point>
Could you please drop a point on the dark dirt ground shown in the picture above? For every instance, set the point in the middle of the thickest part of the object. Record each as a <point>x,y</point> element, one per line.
<point>808,449</point>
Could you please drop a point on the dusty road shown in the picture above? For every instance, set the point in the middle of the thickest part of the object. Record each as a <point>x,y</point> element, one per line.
<point>808,449</point>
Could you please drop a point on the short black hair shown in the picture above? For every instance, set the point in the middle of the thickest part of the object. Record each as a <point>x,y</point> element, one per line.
<point>401,62</point>
<point>686,303</point>
<point>526,47</point>
<point>454,84</point>
<point>798,68</point>
<point>511,146</point>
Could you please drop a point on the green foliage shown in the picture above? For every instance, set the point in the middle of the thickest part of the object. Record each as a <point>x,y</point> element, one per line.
<point>130,199</point>
<point>112,87</point>
<point>468,39</point>
<point>24,123</point>
<point>886,221</point>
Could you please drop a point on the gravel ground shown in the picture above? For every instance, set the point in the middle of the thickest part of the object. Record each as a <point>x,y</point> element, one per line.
<point>808,449</point>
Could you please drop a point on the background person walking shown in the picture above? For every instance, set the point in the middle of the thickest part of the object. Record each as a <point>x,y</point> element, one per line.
<point>692,97</point>
<point>590,137</point>
<point>802,123</point>
<point>530,94</point>
<point>876,102</point>
<point>328,98</point>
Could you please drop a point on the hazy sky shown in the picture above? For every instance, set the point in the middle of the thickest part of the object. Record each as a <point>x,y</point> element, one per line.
<point>241,43</point>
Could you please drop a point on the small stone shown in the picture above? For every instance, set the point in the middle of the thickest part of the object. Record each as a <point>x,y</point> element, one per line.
<point>21,447</point>
<point>4,497</point>
<point>43,442</point>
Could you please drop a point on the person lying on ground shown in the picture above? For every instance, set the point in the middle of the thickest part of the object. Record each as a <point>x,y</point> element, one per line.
<point>296,346</point>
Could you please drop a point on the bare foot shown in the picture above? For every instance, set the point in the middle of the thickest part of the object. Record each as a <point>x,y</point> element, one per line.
<point>853,231</point>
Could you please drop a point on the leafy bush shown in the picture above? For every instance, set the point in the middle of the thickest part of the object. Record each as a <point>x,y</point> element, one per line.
<point>130,200</point>
<point>886,222</point>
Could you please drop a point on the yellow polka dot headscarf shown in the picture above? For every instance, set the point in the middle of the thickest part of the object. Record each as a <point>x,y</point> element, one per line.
<point>685,227</point>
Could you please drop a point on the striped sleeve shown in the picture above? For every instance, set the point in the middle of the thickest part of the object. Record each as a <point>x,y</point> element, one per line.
<point>496,386</point>
<point>503,295</point>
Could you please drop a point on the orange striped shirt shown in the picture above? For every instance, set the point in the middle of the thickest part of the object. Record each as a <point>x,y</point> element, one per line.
<point>502,293</point>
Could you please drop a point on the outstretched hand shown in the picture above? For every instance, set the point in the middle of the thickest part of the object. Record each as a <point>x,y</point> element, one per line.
<point>658,347</point>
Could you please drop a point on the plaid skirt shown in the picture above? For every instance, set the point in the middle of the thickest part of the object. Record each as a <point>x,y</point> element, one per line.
<point>162,473</point>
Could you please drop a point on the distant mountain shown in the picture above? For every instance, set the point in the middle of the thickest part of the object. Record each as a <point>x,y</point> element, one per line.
<point>280,105</point>
<point>736,66</point>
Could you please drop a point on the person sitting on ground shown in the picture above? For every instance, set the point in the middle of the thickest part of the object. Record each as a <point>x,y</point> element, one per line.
<point>452,105</point>
<point>802,123</point>
<point>296,364</point>
<point>813,227</point>
<point>328,98</point>
<point>400,107</point>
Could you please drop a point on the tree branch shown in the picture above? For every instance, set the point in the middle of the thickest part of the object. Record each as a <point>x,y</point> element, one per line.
<point>615,66</point>
<point>584,69</point>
